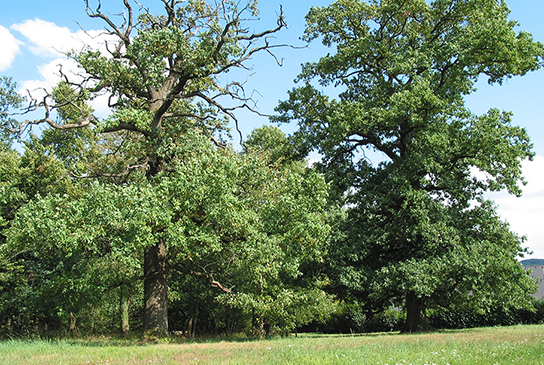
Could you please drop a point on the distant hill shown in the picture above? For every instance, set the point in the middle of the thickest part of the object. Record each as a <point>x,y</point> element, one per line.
<point>532,262</point>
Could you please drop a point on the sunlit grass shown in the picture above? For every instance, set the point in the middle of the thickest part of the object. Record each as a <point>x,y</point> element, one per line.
<point>499,345</point>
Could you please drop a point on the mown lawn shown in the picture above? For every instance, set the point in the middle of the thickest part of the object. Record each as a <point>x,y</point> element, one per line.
<point>497,345</point>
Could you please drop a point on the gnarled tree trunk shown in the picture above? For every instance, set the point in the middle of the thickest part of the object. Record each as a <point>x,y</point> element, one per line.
<point>156,290</point>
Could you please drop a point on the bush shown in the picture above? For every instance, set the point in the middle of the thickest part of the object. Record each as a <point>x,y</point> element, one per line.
<point>499,316</point>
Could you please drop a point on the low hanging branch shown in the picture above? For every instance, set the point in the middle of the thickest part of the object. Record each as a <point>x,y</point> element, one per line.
<point>205,275</point>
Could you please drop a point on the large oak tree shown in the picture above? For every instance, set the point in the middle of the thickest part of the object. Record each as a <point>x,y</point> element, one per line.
<point>419,232</point>
<point>176,199</point>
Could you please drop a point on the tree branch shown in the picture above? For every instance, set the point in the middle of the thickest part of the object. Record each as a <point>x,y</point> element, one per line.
<point>206,275</point>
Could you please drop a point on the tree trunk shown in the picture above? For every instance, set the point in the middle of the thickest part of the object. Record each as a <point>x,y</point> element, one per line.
<point>191,327</point>
<point>72,322</point>
<point>416,318</point>
<point>156,290</point>
<point>123,308</point>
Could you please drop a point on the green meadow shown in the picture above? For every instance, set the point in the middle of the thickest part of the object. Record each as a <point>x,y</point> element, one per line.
<point>494,345</point>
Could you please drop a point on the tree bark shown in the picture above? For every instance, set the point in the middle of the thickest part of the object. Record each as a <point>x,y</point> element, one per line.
<point>156,290</point>
<point>416,318</point>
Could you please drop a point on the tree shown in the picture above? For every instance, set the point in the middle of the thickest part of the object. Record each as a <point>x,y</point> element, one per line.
<point>42,286</point>
<point>22,178</point>
<point>419,232</point>
<point>224,217</point>
<point>163,78</point>
<point>274,145</point>
<point>280,299</point>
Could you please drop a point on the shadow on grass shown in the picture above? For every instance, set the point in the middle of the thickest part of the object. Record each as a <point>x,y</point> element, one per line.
<point>136,339</point>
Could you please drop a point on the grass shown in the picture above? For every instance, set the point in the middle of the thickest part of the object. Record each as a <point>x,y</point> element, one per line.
<point>497,345</point>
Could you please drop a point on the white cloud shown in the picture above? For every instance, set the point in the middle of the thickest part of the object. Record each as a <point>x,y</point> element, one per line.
<point>526,214</point>
<point>534,175</point>
<point>9,46</point>
<point>46,39</point>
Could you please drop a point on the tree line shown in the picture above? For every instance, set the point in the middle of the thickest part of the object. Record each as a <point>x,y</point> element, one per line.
<point>149,220</point>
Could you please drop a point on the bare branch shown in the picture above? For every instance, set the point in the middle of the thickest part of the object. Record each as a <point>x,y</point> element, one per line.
<point>83,123</point>
<point>35,105</point>
<point>122,32</point>
<point>281,24</point>
<point>227,111</point>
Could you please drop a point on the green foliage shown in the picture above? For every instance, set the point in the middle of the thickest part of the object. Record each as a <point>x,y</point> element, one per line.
<point>496,316</point>
<point>9,100</point>
<point>71,111</point>
<point>282,310</point>
<point>37,286</point>
<point>273,144</point>
<point>151,182</point>
<point>418,231</point>
<point>224,215</point>
<point>173,58</point>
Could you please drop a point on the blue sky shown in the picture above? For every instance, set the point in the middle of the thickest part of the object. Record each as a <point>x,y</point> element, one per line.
<point>32,32</point>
